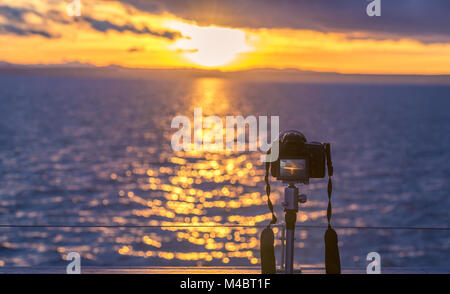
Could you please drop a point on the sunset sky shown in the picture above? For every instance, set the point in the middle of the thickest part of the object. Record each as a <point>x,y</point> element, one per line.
<point>409,37</point>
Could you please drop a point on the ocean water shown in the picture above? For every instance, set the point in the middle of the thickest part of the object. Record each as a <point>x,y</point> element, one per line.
<point>90,152</point>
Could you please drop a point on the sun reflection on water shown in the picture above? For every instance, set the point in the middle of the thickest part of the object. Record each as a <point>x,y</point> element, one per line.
<point>187,200</point>
<point>203,189</point>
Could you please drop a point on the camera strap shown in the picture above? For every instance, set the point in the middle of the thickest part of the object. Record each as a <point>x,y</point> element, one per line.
<point>269,202</point>
<point>267,248</point>
<point>332,258</point>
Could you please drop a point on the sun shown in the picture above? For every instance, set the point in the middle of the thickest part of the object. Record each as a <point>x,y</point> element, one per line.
<point>210,46</point>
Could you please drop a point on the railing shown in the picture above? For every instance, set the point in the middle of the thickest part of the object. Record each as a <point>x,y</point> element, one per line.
<point>280,236</point>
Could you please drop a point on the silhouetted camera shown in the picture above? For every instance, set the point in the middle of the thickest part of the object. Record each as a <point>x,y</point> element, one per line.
<point>299,160</point>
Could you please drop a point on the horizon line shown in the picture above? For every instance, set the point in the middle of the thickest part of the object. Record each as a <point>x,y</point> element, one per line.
<point>76,65</point>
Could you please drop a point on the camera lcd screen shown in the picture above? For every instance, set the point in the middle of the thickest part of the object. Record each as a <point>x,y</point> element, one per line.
<point>293,169</point>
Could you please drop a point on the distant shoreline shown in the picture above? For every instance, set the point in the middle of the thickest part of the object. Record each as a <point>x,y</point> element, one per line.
<point>261,75</point>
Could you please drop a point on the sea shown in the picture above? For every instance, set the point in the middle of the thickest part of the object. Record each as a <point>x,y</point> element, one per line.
<point>87,166</point>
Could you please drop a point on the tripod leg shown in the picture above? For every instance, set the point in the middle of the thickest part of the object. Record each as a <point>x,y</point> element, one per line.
<point>291,217</point>
<point>283,246</point>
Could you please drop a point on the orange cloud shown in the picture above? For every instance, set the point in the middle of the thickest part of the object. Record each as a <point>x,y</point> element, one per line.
<point>107,30</point>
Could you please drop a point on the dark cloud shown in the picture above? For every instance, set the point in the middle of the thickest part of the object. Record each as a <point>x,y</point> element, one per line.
<point>135,49</point>
<point>14,13</point>
<point>10,29</point>
<point>18,26</point>
<point>421,19</point>
<point>105,25</point>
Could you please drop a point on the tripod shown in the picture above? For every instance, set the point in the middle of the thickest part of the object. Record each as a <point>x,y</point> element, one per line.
<point>291,200</point>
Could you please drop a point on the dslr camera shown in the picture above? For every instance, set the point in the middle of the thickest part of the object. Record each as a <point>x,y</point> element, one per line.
<point>299,160</point>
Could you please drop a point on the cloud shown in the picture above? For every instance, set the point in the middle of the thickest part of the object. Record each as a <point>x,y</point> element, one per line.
<point>14,13</point>
<point>16,23</point>
<point>135,49</point>
<point>105,25</point>
<point>418,19</point>
<point>10,29</point>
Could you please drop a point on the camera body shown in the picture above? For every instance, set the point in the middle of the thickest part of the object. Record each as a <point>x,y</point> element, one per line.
<point>299,160</point>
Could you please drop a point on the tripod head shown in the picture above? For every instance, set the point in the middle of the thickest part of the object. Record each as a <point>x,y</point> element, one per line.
<point>292,198</point>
